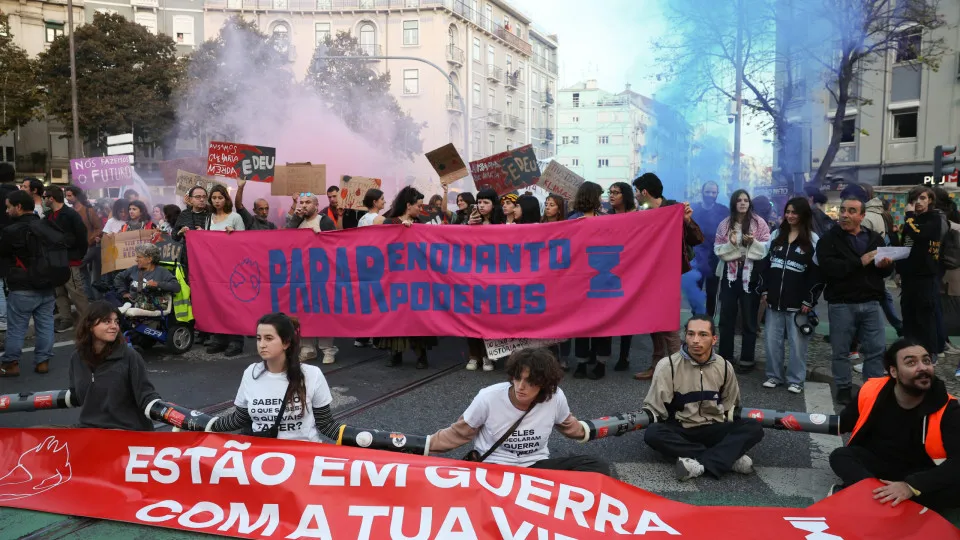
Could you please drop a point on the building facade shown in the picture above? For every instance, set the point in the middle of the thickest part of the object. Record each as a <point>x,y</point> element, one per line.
<point>606,137</point>
<point>890,140</point>
<point>485,52</point>
<point>182,20</point>
<point>542,94</point>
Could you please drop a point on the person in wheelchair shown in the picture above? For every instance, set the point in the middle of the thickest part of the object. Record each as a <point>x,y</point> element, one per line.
<point>143,288</point>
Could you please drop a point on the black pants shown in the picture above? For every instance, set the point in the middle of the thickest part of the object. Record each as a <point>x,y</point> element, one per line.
<point>584,348</point>
<point>855,463</point>
<point>710,284</point>
<point>228,340</point>
<point>918,304</point>
<point>715,446</point>
<point>574,463</point>
<point>733,300</point>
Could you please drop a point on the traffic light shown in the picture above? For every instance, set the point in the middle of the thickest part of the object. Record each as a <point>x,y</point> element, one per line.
<point>944,158</point>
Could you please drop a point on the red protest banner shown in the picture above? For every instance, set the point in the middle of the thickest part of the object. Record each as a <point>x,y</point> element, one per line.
<point>247,487</point>
<point>507,171</point>
<point>241,161</point>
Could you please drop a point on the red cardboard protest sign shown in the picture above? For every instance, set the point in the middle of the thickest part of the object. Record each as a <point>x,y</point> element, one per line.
<point>241,161</point>
<point>250,487</point>
<point>507,171</point>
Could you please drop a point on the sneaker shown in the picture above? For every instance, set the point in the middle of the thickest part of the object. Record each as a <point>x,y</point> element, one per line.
<point>956,373</point>
<point>422,362</point>
<point>472,364</point>
<point>948,349</point>
<point>233,350</point>
<point>62,326</point>
<point>771,383</point>
<point>688,468</point>
<point>307,353</point>
<point>564,365</point>
<point>743,465</point>
<point>10,369</point>
<point>329,357</point>
<point>858,368</point>
<point>833,489</point>
<point>3,326</point>
<point>488,364</point>
<point>42,368</point>
<point>216,348</point>
<point>581,371</point>
<point>360,344</point>
<point>795,389</point>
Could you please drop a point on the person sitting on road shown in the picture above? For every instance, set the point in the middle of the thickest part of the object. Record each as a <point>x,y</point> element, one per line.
<point>143,285</point>
<point>279,397</point>
<point>510,422</point>
<point>108,378</point>
<point>692,398</point>
<point>905,431</point>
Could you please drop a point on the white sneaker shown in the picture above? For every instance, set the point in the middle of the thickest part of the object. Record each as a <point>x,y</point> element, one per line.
<point>858,368</point>
<point>743,465</point>
<point>795,389</point>
<point>3,326</point>
<point>307,353</point>
<point>488,364</point>
<point>472,364</point>
<point>771,383</point>
<point>688,468</point>
<point>950,350</point>
<point>328,357</point>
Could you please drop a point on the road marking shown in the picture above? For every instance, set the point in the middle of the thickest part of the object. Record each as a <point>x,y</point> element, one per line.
<point>797,482</point>
<point>654,477</point>
<point>819,400</point>
<point>55,345</point>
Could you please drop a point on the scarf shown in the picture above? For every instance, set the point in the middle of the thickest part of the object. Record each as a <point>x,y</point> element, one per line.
<point>761,235</point>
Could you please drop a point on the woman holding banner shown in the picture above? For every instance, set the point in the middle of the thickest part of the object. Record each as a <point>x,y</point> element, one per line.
<point>406,210</point>
<point>374,202</point>
<point>623,200</point>
<point>108,378</point>
<point>223,218</point>
<point>527,210</point>
<point>465,204</point>
<point>554,209</point>
<point>510,423</point>
<point>280,398</point>
<point>138,218</point>
<point>509,204</point>
<point>588,204</point>
<point>486,212</point>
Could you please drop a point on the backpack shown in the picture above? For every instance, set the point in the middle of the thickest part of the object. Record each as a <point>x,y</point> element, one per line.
<point>950,250</point>
<point>49,263</point>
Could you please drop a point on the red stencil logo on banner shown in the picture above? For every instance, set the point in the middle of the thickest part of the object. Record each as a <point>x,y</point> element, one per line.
<point>756,415</point>
<point>43,402</point>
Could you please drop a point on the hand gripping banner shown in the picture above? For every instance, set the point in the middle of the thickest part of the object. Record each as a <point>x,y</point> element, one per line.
<point>248,487</point>
<point>607,276</point>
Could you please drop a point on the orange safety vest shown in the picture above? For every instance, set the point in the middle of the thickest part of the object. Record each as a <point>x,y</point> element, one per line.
<point>932,436</point>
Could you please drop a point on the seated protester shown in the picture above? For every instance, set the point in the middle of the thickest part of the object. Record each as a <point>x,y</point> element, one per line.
<point>512,421</point>
<point>108,378</point>
<point>905,431</point>
<point>292,400</point>
<point>692,397</point>
<point>143,285</point>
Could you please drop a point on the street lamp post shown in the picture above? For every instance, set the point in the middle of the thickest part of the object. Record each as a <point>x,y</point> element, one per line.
<point>73,82</point>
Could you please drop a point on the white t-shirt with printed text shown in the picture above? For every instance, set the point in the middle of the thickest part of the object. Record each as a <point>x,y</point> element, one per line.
<point>262,396</point>
<point>493,413</point>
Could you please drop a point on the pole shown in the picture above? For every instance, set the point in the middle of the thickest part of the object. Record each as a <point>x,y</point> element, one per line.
<point>73,82</point>
<point>738,96</point>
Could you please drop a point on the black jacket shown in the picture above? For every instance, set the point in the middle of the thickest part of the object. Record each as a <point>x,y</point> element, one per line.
<point>936,478</point>
<point>789,277</point>
<point>253,222</point>
<point>15,254</point>
<point>922,233</point>
<point>192,220</point>
<point>847,280</point>
<point>116,393</point>
<point>74,231</point>
<point>5,189</point>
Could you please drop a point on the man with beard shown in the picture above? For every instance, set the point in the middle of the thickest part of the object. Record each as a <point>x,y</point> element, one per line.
<point>922,231</point>
<point>905,431</point>
<point>708,215</point>
<point>260,219</point>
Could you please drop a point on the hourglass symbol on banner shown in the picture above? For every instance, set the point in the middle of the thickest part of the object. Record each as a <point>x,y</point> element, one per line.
<point>605,284</point>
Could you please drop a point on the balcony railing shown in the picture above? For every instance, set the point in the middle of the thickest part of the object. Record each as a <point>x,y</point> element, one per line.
<point>455,55</point>
<point>513,122</point>
<point>494,117</point>
<point>512,80</point>
<point>494,73</point>
<point>453,104</point>
<point>545,63</point>
<point>371,49</point>
<point>613,101</point>
<point>546,98</point>
<point>545,134</point>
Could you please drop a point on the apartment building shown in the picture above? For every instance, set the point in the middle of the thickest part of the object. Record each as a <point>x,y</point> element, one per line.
<point>606,137</point>
<point>890,140</point>
<point>182,20</point>
<point>484,51</point>
<point>39,148</point>
<point>543,88</point>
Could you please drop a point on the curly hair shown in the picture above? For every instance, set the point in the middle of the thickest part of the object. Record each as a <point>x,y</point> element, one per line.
<point>545,370</point>
<point>588,198</point>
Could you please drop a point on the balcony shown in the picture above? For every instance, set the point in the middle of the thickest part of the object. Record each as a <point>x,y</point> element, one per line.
<point>546,98</point>
<point>455,55</point>
<point>453,104</point>
<point>513,122</point>
<point>544,63</point>
<point>545,135</point>
<point>613,101</point>
<point>494,73</point>
<point>512,80</point>
<point>494,117</point>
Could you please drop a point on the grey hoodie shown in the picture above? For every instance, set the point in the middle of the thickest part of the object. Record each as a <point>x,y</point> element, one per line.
<point>116,393</point>
<point>873,219</point>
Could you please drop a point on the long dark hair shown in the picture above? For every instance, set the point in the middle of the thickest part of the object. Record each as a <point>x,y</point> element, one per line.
<point>561,208</point>
<point>747,218</point>
<point>629,197</point>
<point>97,312</point>
<point>119,206</point>
<point>145,216</point>
<point>529,208</point>
<point>496,214</point>
<point>464,215</point>
<point>227,204</point>
<point>171,213</point>
<point>407,196</point>
<point>588,198</point>
<point>79,194</point>
<point>288,330</point>
<point>801,206</point>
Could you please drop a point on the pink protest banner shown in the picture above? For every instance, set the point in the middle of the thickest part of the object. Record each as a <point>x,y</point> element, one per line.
<point>607,276</point>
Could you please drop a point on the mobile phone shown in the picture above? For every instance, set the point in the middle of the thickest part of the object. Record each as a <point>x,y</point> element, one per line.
<point>473,209</point>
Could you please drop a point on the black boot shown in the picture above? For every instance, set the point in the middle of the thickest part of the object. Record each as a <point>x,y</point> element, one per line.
<point>622,364</point>
<point>598,372</point>
<point>216,347</point>
<point>422,361</point>
<point>395,360</point>
<point>581,372</point>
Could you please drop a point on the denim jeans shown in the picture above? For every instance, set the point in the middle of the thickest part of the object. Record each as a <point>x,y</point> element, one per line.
<point>890,312</point>
<point>695,296</point>
<point>21,305</point>
<point>776,323</point>
<point>864,322</point>
<point>3,303</point>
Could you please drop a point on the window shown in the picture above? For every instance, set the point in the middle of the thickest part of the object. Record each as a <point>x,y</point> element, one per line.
<point>411,32</point>
<point>574,139</point>
<point>576,99</point>
<point>509,106</point>
<point>905,124</point>
<point>908,45</point>
<point>849,133</point>
<point>476,141</point>
<point>601,163</point>
<point>281,37</point>
<point>411,81</point>
<point>368,39</point>
<point>147,19</point>
<point>98,10</point>
<point>491,56</point>
<point>279,4</point>
<point>509,64</point>
<point>322,30</point>
<point>509,144</point>
<point>492,140</point>
<point>183,29</point>
<point>476,95</point>
<point>491,98</point>
<point>574,162</point>
<point>603,139</point>
<point>54,30</point>
<point>476,50</point>
<point>575,119</point>
<point>564,140</point>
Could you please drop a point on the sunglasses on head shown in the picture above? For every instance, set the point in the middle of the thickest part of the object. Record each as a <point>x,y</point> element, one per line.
<point>308,194</point>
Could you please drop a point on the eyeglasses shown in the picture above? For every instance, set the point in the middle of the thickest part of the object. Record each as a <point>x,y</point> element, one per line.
<point>615,192</point>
